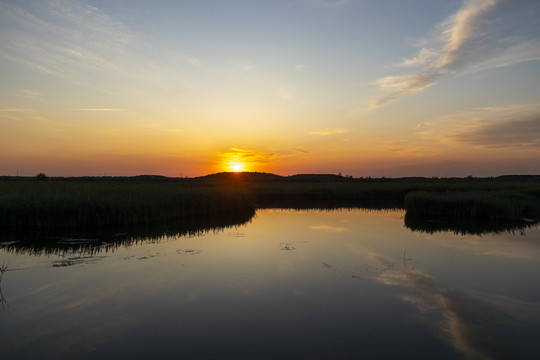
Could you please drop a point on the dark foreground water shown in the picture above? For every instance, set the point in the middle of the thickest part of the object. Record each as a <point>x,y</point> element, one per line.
<point>349,284</point>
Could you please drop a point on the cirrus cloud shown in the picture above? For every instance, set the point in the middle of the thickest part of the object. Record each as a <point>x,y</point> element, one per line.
<point>519,133</point>
<point>482,34</point>
<point>327,132</point>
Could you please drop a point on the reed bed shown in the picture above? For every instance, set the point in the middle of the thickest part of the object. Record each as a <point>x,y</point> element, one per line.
<point>99,202</point>
<point>67,204</point>
<point>488,205</point>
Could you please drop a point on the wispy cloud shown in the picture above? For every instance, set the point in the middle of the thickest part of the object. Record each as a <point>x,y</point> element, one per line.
<point>466,322</point>
<point>327,132</point>
<point>29,94</point>
<point>100,109</point>
<point>192,60</point>
<point>13,110</point>
<point>520,134</point>
<point>329,3</point>
<point>482,34</point>
<point>328,228</point>
<point>404,84</point>
<point>287,92</point>
<point>59,37</point>
<point>74,40</point>
<point>246,159</point>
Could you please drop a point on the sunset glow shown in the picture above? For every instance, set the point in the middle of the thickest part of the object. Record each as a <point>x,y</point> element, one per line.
<point>238,160</point>
<point>362,88</point>
<point>236,167</point>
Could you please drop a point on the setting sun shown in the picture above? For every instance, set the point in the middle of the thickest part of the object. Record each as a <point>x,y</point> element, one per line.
<point>240,160</point>
<point>236,167</point>
<point>257,156</point>
<point>206,96</point>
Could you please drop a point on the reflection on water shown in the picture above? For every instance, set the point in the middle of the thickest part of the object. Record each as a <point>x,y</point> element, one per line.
<point>285,284</point>
<point>472,226</point>
<point>90,242</point>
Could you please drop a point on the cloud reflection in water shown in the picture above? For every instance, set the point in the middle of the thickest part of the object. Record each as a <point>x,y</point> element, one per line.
<point>469,324</point>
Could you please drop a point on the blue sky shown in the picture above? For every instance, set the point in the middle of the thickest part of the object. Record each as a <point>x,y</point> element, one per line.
<point>367,88</point>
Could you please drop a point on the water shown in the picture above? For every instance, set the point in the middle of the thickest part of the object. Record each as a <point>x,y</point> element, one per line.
<point>342,284</point>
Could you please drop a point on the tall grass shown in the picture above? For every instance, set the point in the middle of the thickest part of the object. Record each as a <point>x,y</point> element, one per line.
<point>66,204</point>
<point>95,202</point>
<point>488,205</point>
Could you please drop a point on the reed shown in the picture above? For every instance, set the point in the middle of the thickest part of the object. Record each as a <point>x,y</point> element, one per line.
<point>103,202</point>
<point>488,205</point>
<point>67,204</point>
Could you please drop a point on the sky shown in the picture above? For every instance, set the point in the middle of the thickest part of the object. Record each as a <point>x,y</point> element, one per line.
<point>390,88</point>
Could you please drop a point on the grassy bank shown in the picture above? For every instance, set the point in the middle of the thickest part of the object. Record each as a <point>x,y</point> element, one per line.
<point>83,203</point>
<point>103,202</point>
<point>478,204</point>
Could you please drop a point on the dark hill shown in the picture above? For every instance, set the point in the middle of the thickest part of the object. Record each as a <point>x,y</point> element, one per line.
<point>245,176</point>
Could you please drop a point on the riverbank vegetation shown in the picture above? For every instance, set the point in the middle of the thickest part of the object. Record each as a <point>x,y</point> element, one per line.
<point>70,203</point>
<point>46,202</point>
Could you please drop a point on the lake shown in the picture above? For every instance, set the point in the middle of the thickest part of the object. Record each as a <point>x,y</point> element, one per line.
<point>287,284</point>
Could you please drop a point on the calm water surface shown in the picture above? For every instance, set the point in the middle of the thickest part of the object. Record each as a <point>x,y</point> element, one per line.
<point>346,284</point>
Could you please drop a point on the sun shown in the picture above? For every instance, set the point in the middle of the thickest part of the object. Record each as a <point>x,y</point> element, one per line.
<point>236,166</point>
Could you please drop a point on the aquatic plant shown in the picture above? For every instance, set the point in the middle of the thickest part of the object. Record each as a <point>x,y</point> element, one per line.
<point>102,202</point>
<point>488,205</point>
<point>79,203</point>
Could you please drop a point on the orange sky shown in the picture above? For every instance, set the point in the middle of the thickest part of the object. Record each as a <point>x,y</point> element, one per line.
<point>352,87</point>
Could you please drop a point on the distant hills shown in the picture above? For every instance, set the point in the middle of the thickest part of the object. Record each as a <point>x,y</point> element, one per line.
<point>262,176</point>
<point>269,177</point>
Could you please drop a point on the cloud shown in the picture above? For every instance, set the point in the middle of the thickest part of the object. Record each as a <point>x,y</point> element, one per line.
<point>327,132</point>
<point>29,94</point>
<point>482,34</point>
<point>73,40</point>
<point>423,57</point>
<point>411,278</point>
<point>99,109</point>
<point>191,60</point>
<point>246,159</point>
<point>465,322</point>
<point>60,37</point>
<point>13,110</point>
<point>287,92</point>
<point>520,134</point>
<point>404,84</point>
<point>329,3</point>
<point>328,228</point>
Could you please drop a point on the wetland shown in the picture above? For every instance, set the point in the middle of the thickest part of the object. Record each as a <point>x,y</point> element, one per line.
<point>294,274</point>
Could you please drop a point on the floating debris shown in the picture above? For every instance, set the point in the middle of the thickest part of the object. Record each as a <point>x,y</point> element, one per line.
<point>75,241</point>
<point>75,261</point>
<point>64,263</point>
<point>189,252</point>
<point>328,266</point>
<point>6,243</point>
<point>286,246</point>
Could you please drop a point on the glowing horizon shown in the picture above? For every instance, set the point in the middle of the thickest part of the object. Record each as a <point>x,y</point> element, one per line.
<point>362,88</point>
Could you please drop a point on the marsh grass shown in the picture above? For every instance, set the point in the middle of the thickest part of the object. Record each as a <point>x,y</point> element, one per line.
<point>69,204</point>
<point>106,202</point>
<point>486,205</point>
<point>95,240</point>
<point>465,226</point>
<point>3,300</point>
